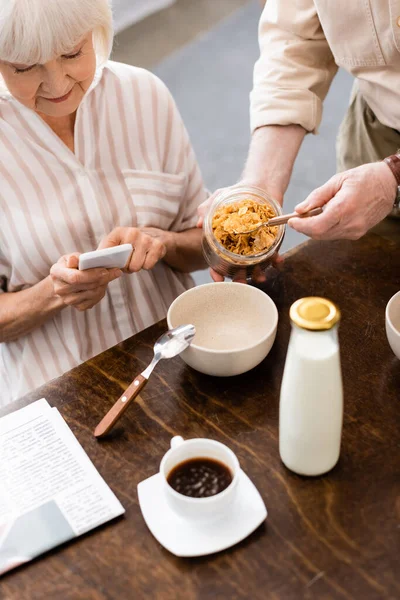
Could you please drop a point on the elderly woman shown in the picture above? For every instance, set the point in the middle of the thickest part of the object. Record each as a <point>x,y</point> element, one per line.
<point>92,153</point>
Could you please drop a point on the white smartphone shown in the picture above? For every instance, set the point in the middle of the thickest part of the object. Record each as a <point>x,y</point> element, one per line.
<point>110,258</point>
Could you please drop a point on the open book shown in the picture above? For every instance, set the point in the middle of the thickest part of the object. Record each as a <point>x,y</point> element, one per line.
<point>50,492</point>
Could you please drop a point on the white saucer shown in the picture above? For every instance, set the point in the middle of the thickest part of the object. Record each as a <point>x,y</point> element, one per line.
<point>185,537</point>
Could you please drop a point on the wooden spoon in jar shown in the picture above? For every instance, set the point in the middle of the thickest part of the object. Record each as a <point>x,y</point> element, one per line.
<point>282,220</point>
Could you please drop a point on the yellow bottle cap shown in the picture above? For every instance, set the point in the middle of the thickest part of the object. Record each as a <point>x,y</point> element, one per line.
<point>314,313</point>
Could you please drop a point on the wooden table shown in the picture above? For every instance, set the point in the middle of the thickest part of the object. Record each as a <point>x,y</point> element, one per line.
<point>331,537</point>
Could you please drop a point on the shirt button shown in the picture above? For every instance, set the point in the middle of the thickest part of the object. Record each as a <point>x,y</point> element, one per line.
<point>398,21</point>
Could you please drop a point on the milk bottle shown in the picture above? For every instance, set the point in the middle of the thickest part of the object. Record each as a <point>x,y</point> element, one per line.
<point>311,400</point>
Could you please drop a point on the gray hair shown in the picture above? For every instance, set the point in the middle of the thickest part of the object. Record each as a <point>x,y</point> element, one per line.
<point>36,31</point>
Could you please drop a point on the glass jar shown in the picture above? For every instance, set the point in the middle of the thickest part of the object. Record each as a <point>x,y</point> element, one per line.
<point>221,260</point>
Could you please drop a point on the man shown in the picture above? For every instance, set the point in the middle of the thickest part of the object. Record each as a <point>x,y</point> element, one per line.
<point>302,43</point>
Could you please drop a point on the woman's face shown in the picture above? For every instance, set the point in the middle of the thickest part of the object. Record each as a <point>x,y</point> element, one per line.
<point>57,87</point>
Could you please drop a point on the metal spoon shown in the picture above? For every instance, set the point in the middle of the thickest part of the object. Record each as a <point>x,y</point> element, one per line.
<point>282,220</point>
<point>170,344</point>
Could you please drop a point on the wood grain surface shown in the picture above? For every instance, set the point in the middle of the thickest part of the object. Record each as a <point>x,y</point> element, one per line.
<point>330,537</point>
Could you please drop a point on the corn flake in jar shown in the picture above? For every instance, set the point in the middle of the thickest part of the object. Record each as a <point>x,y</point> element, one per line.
<point>241,216</point>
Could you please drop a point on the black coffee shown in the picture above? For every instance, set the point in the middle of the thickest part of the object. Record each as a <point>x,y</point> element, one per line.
<point>200,477</point>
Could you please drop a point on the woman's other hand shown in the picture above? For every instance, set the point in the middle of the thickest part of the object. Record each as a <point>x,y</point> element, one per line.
<point>80,289</point>
<point>354,201</point>
<point>149,245</point>
<point>206,205</point>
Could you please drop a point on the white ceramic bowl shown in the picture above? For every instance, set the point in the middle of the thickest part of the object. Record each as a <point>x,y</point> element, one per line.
<point>393,323</point>
<point>235,327</point>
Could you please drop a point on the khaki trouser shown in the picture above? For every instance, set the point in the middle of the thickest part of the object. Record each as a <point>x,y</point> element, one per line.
<point>362,138</point>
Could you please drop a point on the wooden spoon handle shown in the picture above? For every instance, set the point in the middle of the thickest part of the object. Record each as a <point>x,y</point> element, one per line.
<point>108,422</point>
<point>285,218</point>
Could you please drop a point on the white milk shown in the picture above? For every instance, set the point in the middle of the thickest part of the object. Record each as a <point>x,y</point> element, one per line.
<point>311,402</point>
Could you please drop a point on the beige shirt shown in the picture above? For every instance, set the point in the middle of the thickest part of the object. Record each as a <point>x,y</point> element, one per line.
<point>133,166</point>
<point>303,41</point>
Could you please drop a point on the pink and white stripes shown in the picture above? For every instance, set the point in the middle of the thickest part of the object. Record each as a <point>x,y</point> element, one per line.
<point>133,166</point>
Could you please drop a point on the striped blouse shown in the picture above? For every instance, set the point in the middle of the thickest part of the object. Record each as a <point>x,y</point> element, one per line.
<point>133,166</point>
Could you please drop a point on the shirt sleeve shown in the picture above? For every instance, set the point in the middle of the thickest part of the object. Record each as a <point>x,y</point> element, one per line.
<point>180,159</point>
<point>295,68</point>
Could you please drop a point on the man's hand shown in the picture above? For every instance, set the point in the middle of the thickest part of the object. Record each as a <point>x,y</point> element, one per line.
<point>206,205</point>
<point>149,245</point>
<point>257,277</point>
<point>80,289</point>
<point>353,201</point>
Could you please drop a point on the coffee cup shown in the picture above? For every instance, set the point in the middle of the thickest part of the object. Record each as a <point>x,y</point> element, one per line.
<point>199,448</point>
